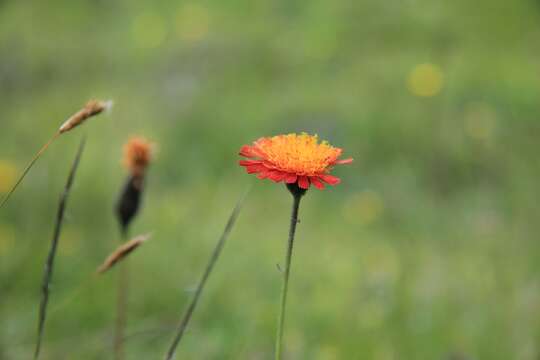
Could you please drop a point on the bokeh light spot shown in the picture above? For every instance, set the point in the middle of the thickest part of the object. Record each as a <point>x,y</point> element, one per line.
<point>149,30</point>
<point>364,207</point>
<point>8,175</point>
<point>192,22</point>
<point>425,80</point>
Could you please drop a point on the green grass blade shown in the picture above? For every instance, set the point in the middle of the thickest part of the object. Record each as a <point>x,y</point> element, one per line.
<point>47,275</point>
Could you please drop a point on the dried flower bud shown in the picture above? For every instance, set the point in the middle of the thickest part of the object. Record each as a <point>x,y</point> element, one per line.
<point>121,252</point>
<point>129,201</point>
<point>137,155</point>
<point>92,108</point>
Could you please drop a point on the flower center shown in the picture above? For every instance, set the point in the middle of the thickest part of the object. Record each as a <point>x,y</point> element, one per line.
<point>299,154</point>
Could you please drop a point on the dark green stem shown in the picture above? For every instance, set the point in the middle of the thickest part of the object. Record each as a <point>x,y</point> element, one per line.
<point>49,264</point>
<point>297,196</point>
<point>213,259</point>
<point>121,302</point>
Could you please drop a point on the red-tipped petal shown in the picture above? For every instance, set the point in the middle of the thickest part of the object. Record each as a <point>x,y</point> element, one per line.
<point>344,161</point>
<point>252,169</point>
<point>316,182</point>
<point>291,178</point>
<point>246,151</point>
<point>249,162</point>
<point>264,173</point>
<point>329,179</point>
<point>277,176</point>
<point>303,182</point>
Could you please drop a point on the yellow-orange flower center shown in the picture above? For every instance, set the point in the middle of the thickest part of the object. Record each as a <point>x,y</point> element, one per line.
<point>299,154</point>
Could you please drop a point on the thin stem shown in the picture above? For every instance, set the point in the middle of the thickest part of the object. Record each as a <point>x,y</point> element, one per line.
<point>49,264</point>
<point>292,230</point>
<point>121,304</point>
<point>27,169</point>
<point>213,259</point>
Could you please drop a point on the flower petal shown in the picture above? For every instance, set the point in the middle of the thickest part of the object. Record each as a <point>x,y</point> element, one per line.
<point>252,169</point>
<point>291,178</point>
<point>249,162</point>
<point>344,161</point>
<point>316,182</point>
<point>277,176</point>
<point>303,182</point>
<point>264,173</point>
<point>329,179</point>
<point>246,151</point>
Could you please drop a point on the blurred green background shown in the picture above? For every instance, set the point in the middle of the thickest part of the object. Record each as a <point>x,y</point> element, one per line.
<point>427,250</point>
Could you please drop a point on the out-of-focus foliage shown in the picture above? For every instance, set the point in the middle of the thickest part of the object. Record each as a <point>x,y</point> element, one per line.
<point>428,249</point>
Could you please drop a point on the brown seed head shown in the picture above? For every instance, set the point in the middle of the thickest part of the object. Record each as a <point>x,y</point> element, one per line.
<point>137,155</point>
<point>92,108</point>
<point>121,252</point>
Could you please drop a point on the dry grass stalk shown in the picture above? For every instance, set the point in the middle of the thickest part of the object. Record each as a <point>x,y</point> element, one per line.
<point>49,264</point>
<point>121,252</point>
<point>92,108</point>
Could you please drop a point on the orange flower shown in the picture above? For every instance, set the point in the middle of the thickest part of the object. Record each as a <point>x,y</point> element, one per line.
<point>293,159</point>
<point>137,155</point>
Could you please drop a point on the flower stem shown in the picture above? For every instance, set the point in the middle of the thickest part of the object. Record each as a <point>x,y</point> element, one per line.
<point>27,169</point>
<point>209,267</point>
<point>297,196</point>
<point>49,264</point>
<point>121,304</point>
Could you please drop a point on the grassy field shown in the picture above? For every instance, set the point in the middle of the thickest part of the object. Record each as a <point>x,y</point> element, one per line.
<point>429,248</point>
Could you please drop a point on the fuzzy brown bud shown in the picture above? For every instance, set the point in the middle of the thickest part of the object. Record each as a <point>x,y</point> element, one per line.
<point>121,252</point>
<point>92,108</point>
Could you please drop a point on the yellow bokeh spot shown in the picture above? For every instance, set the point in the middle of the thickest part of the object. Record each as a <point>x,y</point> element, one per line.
<point>7,240</point>
<point>364,207</point>
<point>425,80</point>
<point>8,175</point>
<point>149,30</point>
<point>192,22</point>
<point>480,120</point>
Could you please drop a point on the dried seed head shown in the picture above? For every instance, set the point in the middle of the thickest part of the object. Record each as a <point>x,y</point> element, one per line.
<point>121,252</point>
<point>137,155</point>
<point>129,201</point>
<point>92,108</point>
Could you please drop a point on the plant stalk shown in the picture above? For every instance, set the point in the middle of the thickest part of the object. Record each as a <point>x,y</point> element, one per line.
<point>27,169</point>
<point>297,196</point>
<point>213,259</point>
<point>121,303</point>
<point>49,264</point>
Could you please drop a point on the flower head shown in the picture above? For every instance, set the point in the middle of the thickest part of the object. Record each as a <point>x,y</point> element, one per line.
<point>122,251</point>
<point>292,159</point>
<point>137,155</point>
<point>92,108</point>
